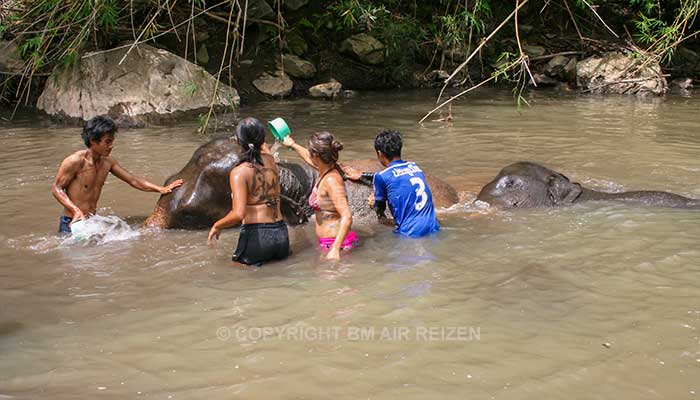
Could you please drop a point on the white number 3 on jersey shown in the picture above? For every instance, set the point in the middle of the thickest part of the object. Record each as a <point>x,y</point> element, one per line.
<point>420,192</point>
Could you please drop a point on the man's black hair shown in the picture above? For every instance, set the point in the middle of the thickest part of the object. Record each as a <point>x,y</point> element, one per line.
<point>389,142</point>
<point>97,127</point>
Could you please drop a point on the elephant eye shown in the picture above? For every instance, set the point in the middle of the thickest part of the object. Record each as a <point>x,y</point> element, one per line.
<point>514,182</point>
<point>507,182</point>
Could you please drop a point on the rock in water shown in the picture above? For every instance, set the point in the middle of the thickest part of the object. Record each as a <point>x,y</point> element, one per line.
<point>327,90</point>
<point>619,73</point>
<point>151,85</point>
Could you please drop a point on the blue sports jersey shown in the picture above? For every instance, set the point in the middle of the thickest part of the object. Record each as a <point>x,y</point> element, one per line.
<point>402,185</point>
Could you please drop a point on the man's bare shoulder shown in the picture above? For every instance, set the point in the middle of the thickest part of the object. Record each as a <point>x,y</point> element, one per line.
<point>110,161</point>
<point>74,160</point>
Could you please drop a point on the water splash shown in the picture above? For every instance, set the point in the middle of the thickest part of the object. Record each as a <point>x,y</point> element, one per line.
<point>603,185</point>
<point>95,231</point>
<point>99,230</point>
<point>467,203</point>
<point>275,150</point>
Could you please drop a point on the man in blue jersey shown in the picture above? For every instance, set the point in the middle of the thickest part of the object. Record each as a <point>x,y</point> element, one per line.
<point>402,185</point>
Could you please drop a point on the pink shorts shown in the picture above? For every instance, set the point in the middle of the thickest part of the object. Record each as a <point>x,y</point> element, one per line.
<point>351,240</point>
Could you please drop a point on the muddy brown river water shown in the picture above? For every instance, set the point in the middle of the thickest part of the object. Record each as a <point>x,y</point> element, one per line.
<point>593,301</point>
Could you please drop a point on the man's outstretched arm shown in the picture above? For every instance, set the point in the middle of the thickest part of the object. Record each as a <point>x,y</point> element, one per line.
<point>65,175</point>
<point>140,183</point>
<point>355,174</point>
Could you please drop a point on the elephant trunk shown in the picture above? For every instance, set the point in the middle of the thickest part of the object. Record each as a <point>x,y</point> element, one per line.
<point>159,218</point>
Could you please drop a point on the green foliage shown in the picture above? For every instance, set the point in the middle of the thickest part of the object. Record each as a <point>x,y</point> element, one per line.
<point>456,27</point>
<point>459,27</point>
<point>109,16</point>
<point>520,99</point>
<point>47,5</point>
<point>661,33</point>
<point>402,38</point>
<point>189,88</point>
<point>70,57</point>
<point>504,64</point>
<point>30,47</point>
<point>202,122</point>
<point>62,28</point>
<point>355,14</point>
<point>647,6</point>
<point>306,23</point>
<point>268,30</point>
<point>650,29</point>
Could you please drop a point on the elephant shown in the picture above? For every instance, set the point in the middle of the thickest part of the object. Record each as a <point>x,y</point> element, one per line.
<point>205,195</point>
<point>526,184</point>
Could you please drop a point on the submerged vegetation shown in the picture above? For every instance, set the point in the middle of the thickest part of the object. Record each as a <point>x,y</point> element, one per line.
<point>473,40</point>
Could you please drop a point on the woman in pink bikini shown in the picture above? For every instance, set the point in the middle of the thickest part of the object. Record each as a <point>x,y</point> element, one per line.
<point>328,198</point>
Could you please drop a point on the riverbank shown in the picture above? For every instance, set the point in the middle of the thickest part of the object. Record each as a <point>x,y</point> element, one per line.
<point>272,50</point>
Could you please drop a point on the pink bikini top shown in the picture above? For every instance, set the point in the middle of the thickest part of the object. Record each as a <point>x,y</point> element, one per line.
<point>313,198</point>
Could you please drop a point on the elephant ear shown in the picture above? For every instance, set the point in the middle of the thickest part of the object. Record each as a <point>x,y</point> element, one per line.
<point>562,190</point>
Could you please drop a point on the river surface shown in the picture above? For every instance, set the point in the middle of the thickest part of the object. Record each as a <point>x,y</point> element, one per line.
<point>594,301</point>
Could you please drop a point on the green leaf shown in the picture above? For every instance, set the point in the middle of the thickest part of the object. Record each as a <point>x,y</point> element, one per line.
<point>189,88</point>
<point>305,23</point>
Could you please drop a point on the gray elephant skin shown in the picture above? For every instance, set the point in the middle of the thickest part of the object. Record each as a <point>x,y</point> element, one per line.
<point>205,195</point>
<point>526,184</point>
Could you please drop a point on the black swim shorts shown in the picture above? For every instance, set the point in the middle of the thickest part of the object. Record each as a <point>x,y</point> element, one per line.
<point>259,243</point>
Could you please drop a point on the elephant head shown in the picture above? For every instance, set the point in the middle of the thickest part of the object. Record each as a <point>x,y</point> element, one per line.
<point>526,184</point>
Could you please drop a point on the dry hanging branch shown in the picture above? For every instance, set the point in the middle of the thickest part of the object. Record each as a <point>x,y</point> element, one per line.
<point>466,62</point>
<point>476,51</point>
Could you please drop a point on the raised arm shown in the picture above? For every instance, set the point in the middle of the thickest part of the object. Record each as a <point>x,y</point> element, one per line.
<point>355,174</point>
<point>239,197</point>
<point>140,183</point>
<point>339,198</point>
<point>66,173</point>
<point>301,150</point>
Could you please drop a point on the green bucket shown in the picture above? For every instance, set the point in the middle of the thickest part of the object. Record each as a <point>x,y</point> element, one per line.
<point>279,128</point>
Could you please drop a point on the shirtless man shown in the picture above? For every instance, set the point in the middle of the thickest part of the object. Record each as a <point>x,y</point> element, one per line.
<point>80,177</point>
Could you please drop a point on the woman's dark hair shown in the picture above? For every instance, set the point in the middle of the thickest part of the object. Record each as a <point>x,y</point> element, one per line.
<point>251,135</point>
<point>324,145</point>
<point>97,127</point>
<point>389,142</point>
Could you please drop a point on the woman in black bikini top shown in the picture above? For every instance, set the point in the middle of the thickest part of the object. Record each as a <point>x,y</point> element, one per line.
<point>255,201</point>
